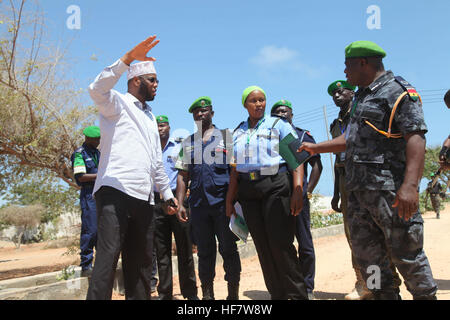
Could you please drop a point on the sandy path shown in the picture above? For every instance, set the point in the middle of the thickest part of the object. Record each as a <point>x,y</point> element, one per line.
<point>334,274</point>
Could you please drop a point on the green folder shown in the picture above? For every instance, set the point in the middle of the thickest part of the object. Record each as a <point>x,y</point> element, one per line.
<point>288,151</point>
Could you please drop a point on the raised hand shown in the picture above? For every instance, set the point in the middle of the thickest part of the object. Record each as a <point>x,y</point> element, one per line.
<point>140,51</point>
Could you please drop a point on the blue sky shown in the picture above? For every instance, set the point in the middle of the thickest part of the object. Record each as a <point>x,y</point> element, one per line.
<point>292,49</point>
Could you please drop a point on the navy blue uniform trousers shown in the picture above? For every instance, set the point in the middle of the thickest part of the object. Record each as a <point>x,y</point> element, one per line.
<point>207,223</point>
<point>88,237</point>
<point>306,254</point>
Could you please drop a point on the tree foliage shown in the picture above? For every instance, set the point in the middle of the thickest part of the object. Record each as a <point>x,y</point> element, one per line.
<point>42,187</point>
<point>41,114</point>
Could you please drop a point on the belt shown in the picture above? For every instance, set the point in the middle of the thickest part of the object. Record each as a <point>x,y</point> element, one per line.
<point>257,175</point>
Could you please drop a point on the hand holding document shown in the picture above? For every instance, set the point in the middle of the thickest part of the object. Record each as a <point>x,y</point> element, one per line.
<point>237,223</point>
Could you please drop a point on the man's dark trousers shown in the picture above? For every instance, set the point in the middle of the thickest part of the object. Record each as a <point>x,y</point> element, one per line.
<point>306,254</point>
<point>164,226</point>
<point>124,224</point>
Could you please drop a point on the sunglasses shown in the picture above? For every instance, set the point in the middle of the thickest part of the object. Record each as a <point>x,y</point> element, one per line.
<point>150,79</point>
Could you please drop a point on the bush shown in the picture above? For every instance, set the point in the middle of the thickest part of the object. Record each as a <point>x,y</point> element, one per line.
<point>23,218</point>
<point>319,220</point>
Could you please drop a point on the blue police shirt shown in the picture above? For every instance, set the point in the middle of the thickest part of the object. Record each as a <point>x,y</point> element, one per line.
<point>170,156</point>
<point>208,168</point>
<point>257,149</point>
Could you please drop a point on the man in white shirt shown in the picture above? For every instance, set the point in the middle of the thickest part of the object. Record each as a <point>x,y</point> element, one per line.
<point>131,164</point>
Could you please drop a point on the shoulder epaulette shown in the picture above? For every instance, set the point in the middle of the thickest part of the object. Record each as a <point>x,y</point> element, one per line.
<point>276,121</point>
<point>333,124</point>
<point>413,94</point>
<point>178,140</point>
<point>240,124</point>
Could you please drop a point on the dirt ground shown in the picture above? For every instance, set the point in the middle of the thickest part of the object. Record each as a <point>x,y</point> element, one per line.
<point>334,274</point>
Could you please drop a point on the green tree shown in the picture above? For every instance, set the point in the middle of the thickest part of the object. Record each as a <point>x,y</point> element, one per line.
<point>45,188</point>
<point>41,114</point>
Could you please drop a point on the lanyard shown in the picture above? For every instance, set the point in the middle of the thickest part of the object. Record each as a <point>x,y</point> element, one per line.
<point>353,108</point>
<point>249,135</point>
<point>94,158</point>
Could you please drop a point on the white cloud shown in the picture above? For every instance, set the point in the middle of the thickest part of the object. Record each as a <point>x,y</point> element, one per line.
<point>270,56</point>
<point>271,59</point>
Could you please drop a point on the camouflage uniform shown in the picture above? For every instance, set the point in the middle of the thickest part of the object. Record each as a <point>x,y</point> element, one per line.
<point>337,128</point>
<point>435,197</point>
<point>375,168</point>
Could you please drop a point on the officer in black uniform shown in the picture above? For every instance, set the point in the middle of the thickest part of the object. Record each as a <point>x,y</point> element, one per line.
<point>166,225</point>
<point>306,254</point>
<point>203,162</point>
<point>85,164</point>
<point>444,154</point>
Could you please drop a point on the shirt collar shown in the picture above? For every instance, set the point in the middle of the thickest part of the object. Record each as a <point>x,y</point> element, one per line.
<point>137,103</point>
<point>387,76</point>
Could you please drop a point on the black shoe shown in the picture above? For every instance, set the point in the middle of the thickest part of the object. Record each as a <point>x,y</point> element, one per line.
<point>194,297</point>
<point>438,216</point>
<point>86,272</point>
<point>433,297</point>
<point>233,291</point>
<point>208,291</point>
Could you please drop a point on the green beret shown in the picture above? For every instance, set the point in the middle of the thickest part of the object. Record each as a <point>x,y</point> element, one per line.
<point>92,132</point>
<point>249,90</point>
<point>280,103</point>
<point>161,119</point>
<point>339,84</point>
<point>364,49</point>
<point>201,103</point>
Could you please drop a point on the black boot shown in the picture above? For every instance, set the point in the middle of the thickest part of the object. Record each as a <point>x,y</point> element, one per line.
<point>233,291</point>
<point>385,295</point>
<point>208,291</point>
<point>433,297</point>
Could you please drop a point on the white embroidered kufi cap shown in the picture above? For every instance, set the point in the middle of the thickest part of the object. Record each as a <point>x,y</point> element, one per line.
<point>140,68</point>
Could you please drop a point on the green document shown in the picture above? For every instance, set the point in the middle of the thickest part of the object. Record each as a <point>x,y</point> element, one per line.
<point>288,150</point>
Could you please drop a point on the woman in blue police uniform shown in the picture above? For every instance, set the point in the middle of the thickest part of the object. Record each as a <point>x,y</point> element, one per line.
<point>85,164</point>
<point>270,195</point>
<point>203,162</point>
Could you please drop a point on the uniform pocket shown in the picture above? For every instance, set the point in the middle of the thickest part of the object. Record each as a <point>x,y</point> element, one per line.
<point>369,158</point>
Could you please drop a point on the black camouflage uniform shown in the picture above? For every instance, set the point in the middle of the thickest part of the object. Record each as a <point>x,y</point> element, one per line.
<point>375,168</point>
<point>435,196</point>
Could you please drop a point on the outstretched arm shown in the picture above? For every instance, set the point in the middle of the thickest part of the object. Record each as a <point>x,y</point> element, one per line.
<point>336,145</point>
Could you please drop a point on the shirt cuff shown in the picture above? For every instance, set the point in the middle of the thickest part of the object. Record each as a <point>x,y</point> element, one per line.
<point>167,194</point>
<point>119,67</point>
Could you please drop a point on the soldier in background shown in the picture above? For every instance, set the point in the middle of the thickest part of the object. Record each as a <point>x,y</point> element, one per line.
<point>85,165</point>
<point>435,193</point>
<point>306,253</point>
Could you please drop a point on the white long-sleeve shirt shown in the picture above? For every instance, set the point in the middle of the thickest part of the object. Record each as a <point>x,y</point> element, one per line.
<point>131,157</point>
